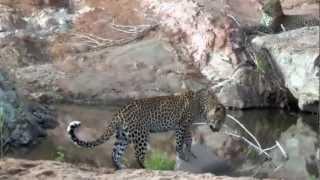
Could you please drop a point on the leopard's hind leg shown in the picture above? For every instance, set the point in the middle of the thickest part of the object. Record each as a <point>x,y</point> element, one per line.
<point>120,147</point>
<point>140,146</point>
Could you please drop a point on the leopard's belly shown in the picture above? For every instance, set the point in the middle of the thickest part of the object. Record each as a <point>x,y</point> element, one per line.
<point>162,125</point>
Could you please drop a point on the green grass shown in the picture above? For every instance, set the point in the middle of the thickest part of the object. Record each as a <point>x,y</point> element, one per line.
<point>312,178</point>
<point>159,161</point>
<point>60,155</point>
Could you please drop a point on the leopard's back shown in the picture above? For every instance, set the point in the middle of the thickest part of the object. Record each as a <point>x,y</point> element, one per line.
<point>156,114</point>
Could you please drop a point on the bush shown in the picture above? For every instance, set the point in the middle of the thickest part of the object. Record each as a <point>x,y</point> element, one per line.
<point>159,161</point>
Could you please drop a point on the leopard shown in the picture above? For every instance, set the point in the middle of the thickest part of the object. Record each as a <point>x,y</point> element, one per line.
<point>136,120</point>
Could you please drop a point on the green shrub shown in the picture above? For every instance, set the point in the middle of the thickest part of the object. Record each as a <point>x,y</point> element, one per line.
<point>159,161</point>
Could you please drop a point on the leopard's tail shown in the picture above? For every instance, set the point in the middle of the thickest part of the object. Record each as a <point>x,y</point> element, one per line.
<point>89,144</point>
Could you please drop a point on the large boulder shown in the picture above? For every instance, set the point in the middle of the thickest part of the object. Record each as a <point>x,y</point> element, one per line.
<point>22,123</point>
<point>299,142</point>
<point>296,54</point>
<point>247,88</point>
<point>19,52</point>
<point>143,69</point>
<point>10,20</point>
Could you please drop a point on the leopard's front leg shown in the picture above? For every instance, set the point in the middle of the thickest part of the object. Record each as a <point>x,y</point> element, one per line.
<point>179,143</point>
<point>188,142</point>
<point>184,136</point>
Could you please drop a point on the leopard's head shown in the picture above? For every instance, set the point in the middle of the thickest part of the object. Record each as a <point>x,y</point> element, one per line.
<point>212,110</point>
<point>216,117</point>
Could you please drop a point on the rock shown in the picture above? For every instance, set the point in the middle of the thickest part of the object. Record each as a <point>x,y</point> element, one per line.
<point>143,69</point>
<point>22,123</point>
<point>24,135</point>
<point>199,30</point>
<point>40,82</point>
<point>25,169</point>
<point>296,54</point>
<point>214,42</point>
<point>22,51</point>
<point>205,162</point>
<point>299,141</point>
<point>249,89</point>
<point>41,23</point>
<point>44,115</point>
<point>49,21</point>
<point>10,20</point>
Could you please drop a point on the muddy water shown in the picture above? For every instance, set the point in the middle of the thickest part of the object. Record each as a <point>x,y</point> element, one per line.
<point>266,125</point>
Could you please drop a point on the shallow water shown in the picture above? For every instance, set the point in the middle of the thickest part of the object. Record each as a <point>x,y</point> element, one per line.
<point>266,125</point>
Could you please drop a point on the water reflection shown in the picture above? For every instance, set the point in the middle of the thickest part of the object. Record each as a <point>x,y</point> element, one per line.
<point>266,125</point>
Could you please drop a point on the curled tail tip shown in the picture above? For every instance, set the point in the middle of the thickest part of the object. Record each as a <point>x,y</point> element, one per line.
<point>72,125</point>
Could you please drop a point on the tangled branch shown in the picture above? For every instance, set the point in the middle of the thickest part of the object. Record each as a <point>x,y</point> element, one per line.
<point>134,31</point>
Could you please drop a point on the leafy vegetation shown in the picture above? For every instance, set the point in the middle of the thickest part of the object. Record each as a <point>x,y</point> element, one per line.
<point>312,178</point>
<point>159,161</point>
<point>60,155</point>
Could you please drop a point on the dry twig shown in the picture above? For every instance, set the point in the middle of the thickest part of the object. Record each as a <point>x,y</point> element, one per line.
<point>135,32</point>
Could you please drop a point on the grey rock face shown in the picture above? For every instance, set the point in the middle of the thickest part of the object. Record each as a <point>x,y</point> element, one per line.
<point>296,54</point>
<point>143,69</point>
<point>9,20</point>
<point>299,141</point>
<point>249,89</point>
<point>22,123</point>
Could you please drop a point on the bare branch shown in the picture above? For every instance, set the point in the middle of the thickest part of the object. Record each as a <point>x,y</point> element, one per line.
<point>256,146</point>
<point>244,128</point>
<point>131,29</point>
<point>261,151</point>
<point>97,42</point>
<point>282,150</point>
<point>270,148</point>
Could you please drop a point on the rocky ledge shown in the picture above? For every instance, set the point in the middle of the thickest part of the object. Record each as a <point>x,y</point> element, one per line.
<point>14,169</point>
